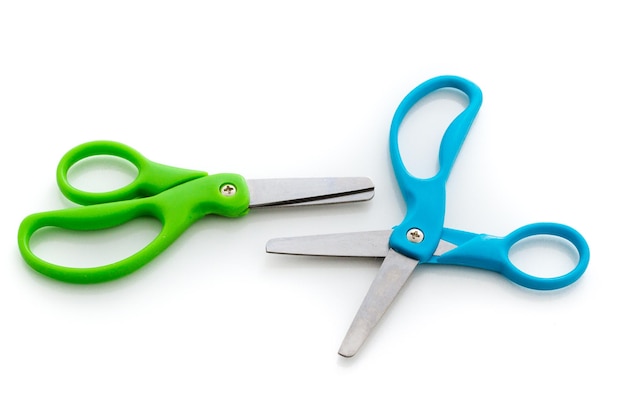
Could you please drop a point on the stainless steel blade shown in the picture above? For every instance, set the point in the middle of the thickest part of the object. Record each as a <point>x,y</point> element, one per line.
<point>309,191</point>
<point>443,247</point>
<point>359,244</point>
<point>392,276</point>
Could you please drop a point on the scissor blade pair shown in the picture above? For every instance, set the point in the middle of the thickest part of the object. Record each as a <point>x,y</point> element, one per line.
<point>309,191</point>
<point>392,275</point>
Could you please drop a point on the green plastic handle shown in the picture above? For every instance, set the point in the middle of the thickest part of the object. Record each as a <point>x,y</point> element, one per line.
<point>177,198</point>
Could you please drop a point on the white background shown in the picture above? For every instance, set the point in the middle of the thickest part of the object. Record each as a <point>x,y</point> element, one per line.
<point>215,326</point>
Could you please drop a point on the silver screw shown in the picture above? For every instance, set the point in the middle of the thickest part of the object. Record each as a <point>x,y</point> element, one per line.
<point>415,235</point>
<point>228,190</point>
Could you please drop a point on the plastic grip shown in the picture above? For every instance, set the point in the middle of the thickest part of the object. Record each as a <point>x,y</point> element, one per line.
<point>492,253</point>
<point>455,133</point>
<point>152,178</point>
<point>176,209</point>
<point>426,198</point>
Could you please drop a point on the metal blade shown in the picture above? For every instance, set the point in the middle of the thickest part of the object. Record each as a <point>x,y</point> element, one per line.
<point>443,247</point>
<point>309,191</point>
<point>358,244</point>
<point>392,276</point>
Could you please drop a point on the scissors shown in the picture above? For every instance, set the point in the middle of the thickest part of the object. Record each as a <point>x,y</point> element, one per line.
<point>422,237</point>
<point>176,197</point>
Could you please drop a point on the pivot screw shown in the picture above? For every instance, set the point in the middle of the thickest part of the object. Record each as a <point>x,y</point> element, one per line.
<point>228,190</point>
<point>415,235</point>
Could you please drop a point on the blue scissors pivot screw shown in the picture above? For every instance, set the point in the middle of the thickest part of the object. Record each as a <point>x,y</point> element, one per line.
<point>421,237</point>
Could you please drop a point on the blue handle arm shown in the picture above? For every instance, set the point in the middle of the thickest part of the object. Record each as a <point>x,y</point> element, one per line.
<point>426,198</point>
<point>492,253</point>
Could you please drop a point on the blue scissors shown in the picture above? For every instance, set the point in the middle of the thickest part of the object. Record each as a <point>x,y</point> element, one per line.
<point>176,197</point>
<point>422,237</point>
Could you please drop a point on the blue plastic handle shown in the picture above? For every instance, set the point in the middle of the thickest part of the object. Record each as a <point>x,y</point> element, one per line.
<point>426,198</point>
<point>492,253</point>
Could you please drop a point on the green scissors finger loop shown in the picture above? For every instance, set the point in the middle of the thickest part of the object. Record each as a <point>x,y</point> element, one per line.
<point>152,177</point>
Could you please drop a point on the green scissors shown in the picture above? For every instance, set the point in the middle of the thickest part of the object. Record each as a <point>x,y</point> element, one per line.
<point>176,197</point>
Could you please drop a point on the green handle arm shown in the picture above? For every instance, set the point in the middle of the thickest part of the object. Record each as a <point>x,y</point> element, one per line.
<point>176,209</point>
<point>152,177</point>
